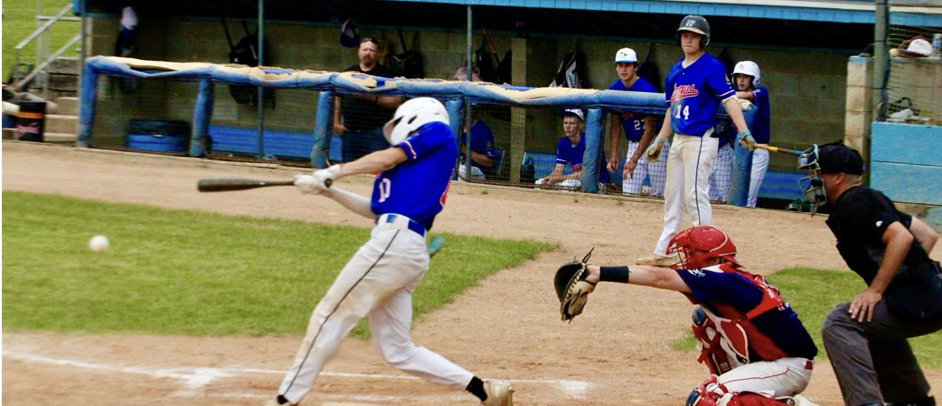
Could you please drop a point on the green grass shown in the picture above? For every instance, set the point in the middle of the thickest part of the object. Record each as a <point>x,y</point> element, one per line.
<point>19,21</point>
<point>812,293</point>
<point>196,273</point>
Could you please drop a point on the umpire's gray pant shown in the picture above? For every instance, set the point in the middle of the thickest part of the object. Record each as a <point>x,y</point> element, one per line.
<point>872,360</point>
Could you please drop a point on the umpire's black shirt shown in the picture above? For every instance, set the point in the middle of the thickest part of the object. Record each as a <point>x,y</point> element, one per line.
<point>363,115</point>
<point>858,220</point>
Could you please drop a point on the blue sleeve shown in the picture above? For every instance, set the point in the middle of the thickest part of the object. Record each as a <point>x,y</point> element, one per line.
<point>760,97</point>
<point>719,81</point>
<point>430,137</point>
<point>561,157</point>
<point>721,287</point>
<point>614,85</point>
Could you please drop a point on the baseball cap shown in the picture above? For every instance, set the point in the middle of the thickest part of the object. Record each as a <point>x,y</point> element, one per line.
<point>574,112</point>
<point>839,158</point>
<point>919,47</point>
<point>626,55</point>
<point>348,34</point>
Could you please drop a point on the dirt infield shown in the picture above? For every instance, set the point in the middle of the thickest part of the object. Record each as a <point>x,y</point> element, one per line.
<point>617,353</point>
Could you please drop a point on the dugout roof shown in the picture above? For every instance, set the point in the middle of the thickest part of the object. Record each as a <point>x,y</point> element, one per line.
<point>824,24</point>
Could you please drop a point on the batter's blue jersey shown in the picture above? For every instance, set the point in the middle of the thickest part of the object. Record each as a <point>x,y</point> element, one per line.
<point>417,187</point>
<point>782,326</point>
<point>760,126</point>
<point>633,123</point>
<point>694,94</point>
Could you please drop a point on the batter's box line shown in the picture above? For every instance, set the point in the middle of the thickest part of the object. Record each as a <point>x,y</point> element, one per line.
<point>195,378</point>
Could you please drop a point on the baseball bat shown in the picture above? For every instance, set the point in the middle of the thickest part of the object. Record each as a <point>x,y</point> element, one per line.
<point>233,184</point>
<point>777,149</point>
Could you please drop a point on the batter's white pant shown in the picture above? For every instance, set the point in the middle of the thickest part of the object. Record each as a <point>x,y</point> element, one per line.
<point>782,377</point>
<point>760,164</point>
<point>657,171</point>
<point>688,185</point>
<point>568,183</point>
<point>378,281</point>
<point>722,174</point>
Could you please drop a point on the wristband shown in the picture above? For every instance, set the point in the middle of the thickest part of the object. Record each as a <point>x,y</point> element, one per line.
<point>613,274</point>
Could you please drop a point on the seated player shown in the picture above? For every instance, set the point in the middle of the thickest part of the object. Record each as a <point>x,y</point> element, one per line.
<point>757,350</point>
<point>483,156</point>
<point>569,151</point>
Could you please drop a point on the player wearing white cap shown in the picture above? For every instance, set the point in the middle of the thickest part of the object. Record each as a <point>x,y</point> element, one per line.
<point>639,130</point>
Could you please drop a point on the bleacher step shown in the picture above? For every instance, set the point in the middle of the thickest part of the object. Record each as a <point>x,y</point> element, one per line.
<point>59,123</point>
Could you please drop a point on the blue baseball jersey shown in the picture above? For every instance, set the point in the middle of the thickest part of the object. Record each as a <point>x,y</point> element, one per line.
<point>782,326</point>
<point>760,126</point>
<point>694,94</point>
<point>482,142</point>
<point>417,187</point>
<point>566,154</point>
<point>633,123</point>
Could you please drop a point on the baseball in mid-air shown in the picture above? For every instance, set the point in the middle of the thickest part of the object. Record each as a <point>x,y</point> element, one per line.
<point>98,243</point>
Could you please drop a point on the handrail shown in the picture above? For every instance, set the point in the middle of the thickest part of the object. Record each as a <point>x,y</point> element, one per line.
<point>43,28</point>
<point>48,61</point>
<point>60,16</point>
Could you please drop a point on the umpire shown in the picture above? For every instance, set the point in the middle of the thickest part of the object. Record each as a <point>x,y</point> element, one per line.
<point>866,338</point>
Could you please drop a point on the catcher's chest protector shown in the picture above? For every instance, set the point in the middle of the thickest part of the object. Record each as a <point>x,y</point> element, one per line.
<point>725,342</point>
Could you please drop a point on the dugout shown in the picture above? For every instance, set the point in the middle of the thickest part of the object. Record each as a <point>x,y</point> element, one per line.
<point>802,47</point>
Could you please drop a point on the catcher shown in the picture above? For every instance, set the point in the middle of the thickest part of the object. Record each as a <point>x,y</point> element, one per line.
<point>758,352</point>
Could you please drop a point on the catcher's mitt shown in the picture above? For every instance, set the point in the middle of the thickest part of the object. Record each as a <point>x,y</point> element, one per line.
<point>572,288</point>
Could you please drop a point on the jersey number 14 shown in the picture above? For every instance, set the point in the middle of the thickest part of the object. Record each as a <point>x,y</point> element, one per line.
<point>686,112</point>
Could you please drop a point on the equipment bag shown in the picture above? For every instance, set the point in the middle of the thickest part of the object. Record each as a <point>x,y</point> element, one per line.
<point>409,63</point>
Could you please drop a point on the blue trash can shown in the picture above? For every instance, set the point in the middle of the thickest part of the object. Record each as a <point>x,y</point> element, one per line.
<point>168,136</point>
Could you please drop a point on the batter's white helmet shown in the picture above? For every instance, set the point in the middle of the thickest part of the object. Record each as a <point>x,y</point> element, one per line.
<point>748,68</point>
<point>411,115</point>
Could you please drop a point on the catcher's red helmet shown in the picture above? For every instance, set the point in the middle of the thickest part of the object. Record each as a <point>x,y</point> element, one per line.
<point>699,244</point>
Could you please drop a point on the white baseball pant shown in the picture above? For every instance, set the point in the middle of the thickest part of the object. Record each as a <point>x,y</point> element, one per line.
<point>568,183</point>
<point>760,164</point>
<point>688,185</point>
<point>476,173</point>
<point>657,171</point>
<point>722,174</point>
<point>378,281</point>
<point>782,377</point>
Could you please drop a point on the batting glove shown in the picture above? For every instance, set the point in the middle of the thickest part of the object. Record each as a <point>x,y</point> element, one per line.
<point>327,176</point>
<point>746,141</point>
<point>653,152</point>
<point>308,184</point>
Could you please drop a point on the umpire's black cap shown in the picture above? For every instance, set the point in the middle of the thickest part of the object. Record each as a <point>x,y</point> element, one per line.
<point>839,158</point>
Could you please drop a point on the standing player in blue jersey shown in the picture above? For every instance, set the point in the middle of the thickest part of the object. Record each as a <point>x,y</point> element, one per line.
<point>639,131</point>
<point>746,75</point>
<point>695,88</point>
<point>409,190</point>
<point>757,350</point>
<point>721,175</point>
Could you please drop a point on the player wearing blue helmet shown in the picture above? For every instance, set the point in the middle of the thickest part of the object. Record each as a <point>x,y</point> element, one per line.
<point>694,89</point>
<point>409,191</point>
